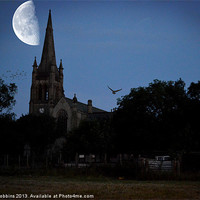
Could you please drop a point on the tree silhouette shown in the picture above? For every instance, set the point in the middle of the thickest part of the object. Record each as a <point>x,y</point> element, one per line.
<point>158,117</point>
<point>7,93</point>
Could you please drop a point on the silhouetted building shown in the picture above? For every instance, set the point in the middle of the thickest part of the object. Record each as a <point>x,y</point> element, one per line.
<point>47,93</point>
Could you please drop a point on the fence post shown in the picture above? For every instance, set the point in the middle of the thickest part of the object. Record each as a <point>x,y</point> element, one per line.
<point>178,167</point>
<point>33,160</point>
<point>46,162</point>
<point>146,165</point>
<point>76,159</point>
<point>120,159</point>
<point>4,160</point>
<point>105,158</point>
<point>90,159</point>
<point>7,160</point>
<point>19,161</point>
<point>60,157</point>
<point>27,162</point>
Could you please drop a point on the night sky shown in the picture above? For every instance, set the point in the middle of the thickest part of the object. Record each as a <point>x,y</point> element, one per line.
<point>123,44</point>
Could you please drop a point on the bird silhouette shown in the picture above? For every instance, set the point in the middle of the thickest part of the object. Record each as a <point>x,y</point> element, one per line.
<point>114,91</point>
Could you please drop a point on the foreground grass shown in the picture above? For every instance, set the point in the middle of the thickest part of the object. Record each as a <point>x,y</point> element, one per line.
<point>101,188</point>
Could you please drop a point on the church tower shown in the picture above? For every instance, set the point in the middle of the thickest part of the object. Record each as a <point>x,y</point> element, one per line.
<point>47,78</point>
<point>47,94</point>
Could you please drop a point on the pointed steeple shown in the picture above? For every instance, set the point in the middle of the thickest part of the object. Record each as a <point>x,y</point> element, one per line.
<point>48,54</point>
<point>35,62</point>
<point>75,99</point>
<point>35,65</point>
<point>61,66</point>
<point>49,23</point>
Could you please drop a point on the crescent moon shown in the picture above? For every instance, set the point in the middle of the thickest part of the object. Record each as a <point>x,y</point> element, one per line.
<point>25,23</point>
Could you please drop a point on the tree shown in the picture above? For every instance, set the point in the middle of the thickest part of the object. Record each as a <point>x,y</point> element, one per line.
<point>152,118</point>
<point>193,110</point>
<point>8,136</point>
<point>37,131</point>
<point>7,93</point>
<point>194,91</point>
<point>90,137</point>
<point>7,123</point>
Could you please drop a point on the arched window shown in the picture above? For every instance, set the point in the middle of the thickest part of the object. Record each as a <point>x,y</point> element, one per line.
<point>57,92</point>
<point>40,92</point>
<point>62,121</point>
<point>46,93</point>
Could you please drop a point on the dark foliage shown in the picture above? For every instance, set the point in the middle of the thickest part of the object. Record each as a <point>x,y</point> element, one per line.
<point>8,136</point>
<point>162,116</point>
<point>7,123</point>
<point>90,137</point>
<point>37,131</point>
<point>7,93</point>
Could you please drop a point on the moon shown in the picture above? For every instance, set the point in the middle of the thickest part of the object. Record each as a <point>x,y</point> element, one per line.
<point>25,23</point>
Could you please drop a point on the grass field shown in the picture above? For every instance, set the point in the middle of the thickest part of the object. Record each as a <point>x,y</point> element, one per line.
<point>99,188</point>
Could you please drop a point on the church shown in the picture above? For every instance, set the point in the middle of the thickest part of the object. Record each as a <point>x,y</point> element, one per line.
<point>47,92</point>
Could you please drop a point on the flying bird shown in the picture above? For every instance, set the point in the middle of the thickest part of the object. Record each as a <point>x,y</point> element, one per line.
<point>114,91</point>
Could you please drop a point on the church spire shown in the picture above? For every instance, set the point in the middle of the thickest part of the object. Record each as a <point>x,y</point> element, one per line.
<point>49,23</point>
<point>48,55</point>
<point>35,62</point>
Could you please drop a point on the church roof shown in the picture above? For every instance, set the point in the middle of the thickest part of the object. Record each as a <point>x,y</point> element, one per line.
<point>83,107</point>
<point>48,54</point>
